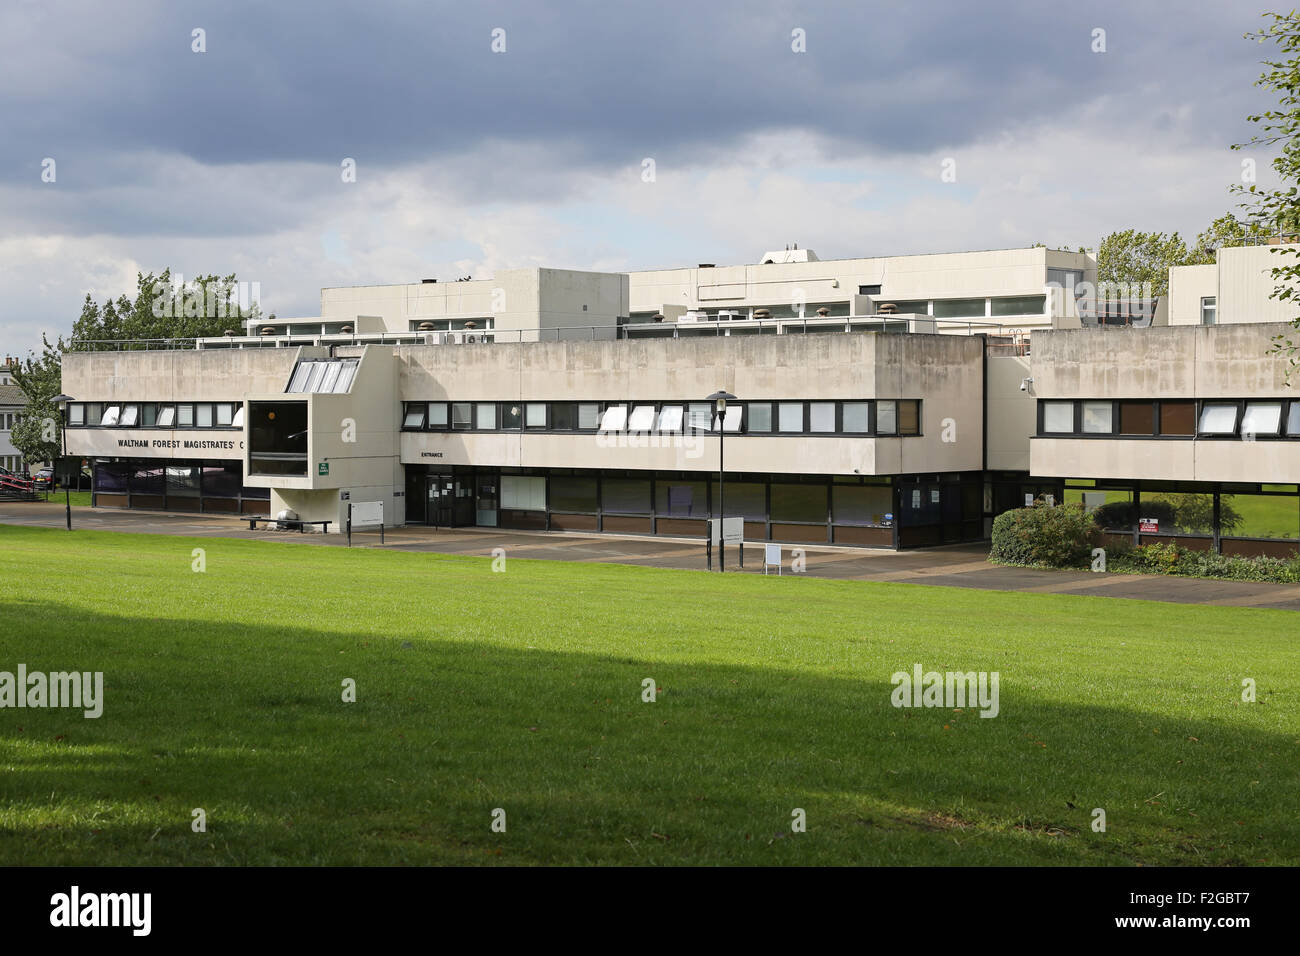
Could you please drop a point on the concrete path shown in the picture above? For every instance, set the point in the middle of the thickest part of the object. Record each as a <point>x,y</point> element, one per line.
<point>954,566</point>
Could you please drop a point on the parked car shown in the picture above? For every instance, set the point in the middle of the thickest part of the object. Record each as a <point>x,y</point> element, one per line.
<point>44,479</point>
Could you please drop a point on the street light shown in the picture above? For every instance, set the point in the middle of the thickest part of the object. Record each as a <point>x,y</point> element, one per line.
<point>62,400</point>
<point>719,400</point>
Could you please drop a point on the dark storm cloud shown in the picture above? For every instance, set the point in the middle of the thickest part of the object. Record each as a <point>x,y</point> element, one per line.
<point>603,83</point>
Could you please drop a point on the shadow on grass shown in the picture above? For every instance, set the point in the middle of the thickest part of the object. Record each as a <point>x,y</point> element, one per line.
<point>247,722</point>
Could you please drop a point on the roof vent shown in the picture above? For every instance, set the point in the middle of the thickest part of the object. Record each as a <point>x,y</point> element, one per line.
<point>706,265</point>
<point>427,281</point>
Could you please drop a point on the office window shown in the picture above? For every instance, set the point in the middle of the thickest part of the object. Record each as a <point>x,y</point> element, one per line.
<point>642,419</point>
<point>682,499</point>
<point>886,418</point>
<point>1293,420</point>
<point>821,417</point>
<point>1097,418</point>
<point>625,496</point>
<point>1058,418</point>
<point>535,415</point>
<point>760,417</point>
<point>856,417</point>
<point>1209,310</point>
<point>1137,418</point>
<point>93,412</point>
<point>298,381</point>
<point>564,416</point>
<point>731,418</point>
<point>799,503</point>
<point>462,415</point>
<point>909,417</point>
<point>437,415</point>
<point>523,493</point>
<point>110,415</point>
<point>185,416</point>
<point>414,417</point>
<point>167,416</point>
<point>149,414</point>
<point>699,415</point>
<point>485,416</point>
<point>790,417</point>
<point>866,505</point>
<point>330,377</point>
<point>1178,418</point>
<point>237,420</point>
<point>182,481</point>
<point>1218,419</point>
<point>573,494</point>
<point>1262,418</point>
<point>203,415</point>
<point>76,414</point>
<point>868,290</point>
<point>670,419</point>
<point>959,308</point>
<point>224,414</point>
<point>1017,305</point>
<point>588,416</point>
<point>130,416</point>
<point>614,419</point>
<point>921,307</point>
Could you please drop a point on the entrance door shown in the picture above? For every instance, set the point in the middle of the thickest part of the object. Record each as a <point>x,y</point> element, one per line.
<point>486,502</point>
<point>440,496</point>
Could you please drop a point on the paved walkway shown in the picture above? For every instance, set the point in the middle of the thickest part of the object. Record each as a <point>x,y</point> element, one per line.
<point>962,566</point>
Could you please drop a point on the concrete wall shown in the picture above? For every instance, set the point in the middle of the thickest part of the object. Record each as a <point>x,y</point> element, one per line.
<point>1012,413</point>
<point>1245,284</point>
<point>222,375</point>
<point>943,371</point>
<point>1187,286</point>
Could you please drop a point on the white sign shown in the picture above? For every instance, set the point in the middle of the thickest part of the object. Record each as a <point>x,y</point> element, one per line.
<point>367,512</point>
<point>772,557</point>
<point>733,530</point>
<point>223,443</point>
<point>1029,501</point>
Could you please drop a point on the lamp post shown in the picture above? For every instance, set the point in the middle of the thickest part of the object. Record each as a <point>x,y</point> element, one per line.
<point>719,400</point>
<point>62,400</point>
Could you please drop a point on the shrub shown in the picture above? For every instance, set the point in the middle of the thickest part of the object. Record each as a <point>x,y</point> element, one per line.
<point>1185,562</point>
<point>1055,537</point>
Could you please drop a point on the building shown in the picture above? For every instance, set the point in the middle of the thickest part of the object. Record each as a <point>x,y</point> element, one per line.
<point>889,402</point>
<point>12,403</point>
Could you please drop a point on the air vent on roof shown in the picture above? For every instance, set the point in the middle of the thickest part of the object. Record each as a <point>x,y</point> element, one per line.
<point>427,281</point>
<point>706,265</point>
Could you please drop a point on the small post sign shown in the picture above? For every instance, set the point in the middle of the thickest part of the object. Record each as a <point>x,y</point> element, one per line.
<point>1149,525</point>
<point>323,468</point>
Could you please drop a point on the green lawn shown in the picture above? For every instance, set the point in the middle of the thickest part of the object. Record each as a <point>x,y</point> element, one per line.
<point>522,690</point>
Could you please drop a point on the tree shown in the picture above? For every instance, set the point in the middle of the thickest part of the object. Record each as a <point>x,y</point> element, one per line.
<point>1277,210</point>
<point>37,435</point>
<point>1133,258</point>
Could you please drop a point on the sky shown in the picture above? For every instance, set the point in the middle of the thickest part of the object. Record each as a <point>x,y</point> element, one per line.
<point>591,135</point>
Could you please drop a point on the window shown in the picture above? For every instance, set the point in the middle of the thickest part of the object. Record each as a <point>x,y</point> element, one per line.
<point>625,496</point>
<point>277,438</point>
<point>760,417</point>
<point>682,499</point>
<point>462,415</point>
<point>438,415</point>
<point>614,419</point>
<point>1218,419</point>
<point>1097,418</point>
<point>522,493</point>
<point>1262,418</point>
<point>535,415</point>
<point>224,414</point>
<point>642,419</point>
<point>886,418</point>
<point>670,419</point>
<point>77,414</point>
<point>130,416</point>
<point>1065,279</point>
<point>331,376</point>
<point>909,417</point>
<point>414,417</point>
<point>1018,305</point>
<point>573,494</point>
<point>1178,418</point>
<point>237,420</point>
<point>856,417</point>
<point>868,290</point>
<point>512,416</point>
<point>959,308</point>
<point>821,417</point>
<point>1293,420</point>
<point>799,503</point>
<point>203,415</point>
<point>564,416</point>
<point>1209,310</point>
<point>790,416</point>
<point>110,415</point>
<point>921,307</point>
<point>185,416</point>
<point>731,418</point>
<point>1137,418</point>
<point>167,416</point>
<point>485,416</point>
<point>1058,418</point>
<point>588,416</point>
<point>149,414</point>
<point>869,505</point>
<point>699,415</point>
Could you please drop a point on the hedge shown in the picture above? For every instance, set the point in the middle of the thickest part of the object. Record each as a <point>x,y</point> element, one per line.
<point>1056,537</point>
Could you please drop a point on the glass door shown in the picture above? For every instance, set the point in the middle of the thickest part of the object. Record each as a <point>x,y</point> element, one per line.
<point>486,501</point>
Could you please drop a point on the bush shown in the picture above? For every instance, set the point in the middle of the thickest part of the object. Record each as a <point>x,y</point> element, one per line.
<point>1185,562</point>
<point>1042,536</point>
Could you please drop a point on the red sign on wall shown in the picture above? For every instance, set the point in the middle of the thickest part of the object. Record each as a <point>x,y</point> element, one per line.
<point>1148,525</point>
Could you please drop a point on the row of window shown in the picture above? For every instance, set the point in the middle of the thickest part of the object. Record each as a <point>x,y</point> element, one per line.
<point>877,417</point>
<point>1209,418</point>
<point>156,415</point>
<point>8,420</point>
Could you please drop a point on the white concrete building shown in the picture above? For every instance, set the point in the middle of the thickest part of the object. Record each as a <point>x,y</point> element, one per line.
<point>12,403</point>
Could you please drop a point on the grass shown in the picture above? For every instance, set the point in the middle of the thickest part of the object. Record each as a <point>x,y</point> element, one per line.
<point>522,690</point>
